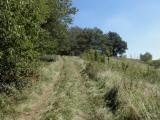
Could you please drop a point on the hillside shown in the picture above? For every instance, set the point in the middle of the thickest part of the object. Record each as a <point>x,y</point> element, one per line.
<point>56,64</point>
<point>74,89</point>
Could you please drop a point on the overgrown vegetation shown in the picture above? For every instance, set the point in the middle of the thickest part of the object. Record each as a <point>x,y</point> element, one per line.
<point>30,28</point>
<point>36,82</point>
<point>130,89</point>
<point>34,28</point>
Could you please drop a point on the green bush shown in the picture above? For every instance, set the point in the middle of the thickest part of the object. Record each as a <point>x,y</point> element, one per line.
<point>20,26</point>
<point>92,68</point>
<point>93,55</point>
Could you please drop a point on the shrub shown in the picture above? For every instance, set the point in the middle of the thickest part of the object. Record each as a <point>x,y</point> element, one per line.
<point>93,55</point>
<point>92,68</point>
<point>91,72</point>
<point>21,23</point>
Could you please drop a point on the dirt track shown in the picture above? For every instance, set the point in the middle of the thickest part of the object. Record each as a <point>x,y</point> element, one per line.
<point>67,91</point>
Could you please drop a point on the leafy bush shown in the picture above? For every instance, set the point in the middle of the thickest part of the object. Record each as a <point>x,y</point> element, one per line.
<point>92,68</point>
<point>93,55</point>
<point>20,26</point>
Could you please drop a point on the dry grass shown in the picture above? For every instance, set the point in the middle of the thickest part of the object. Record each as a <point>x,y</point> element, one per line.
<point>66,92</point>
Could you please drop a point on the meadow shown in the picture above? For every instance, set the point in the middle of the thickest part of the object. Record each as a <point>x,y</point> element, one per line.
<point>88,88</point>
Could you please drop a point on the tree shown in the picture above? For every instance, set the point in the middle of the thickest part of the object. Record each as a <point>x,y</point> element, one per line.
<point>84,39</point>
<point>146,57</point>
<point>116,43</point>
<point>20,27</point>
<point>75,39</point>
<point>60,17</point>
<point>29,28</point>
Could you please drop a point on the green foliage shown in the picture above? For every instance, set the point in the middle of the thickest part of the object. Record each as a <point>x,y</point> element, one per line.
<point>30,28</point>
<point>60,16</point>
<point>118,46</point>
<point>128,92</point>
<point>95,63</point>
<point>91,70</point>
<point>155,63</point>
<point>82,40</point>
<point>135,70</point>
<point>93,55</point>
<point>20,23</point>
<point>146,57</point>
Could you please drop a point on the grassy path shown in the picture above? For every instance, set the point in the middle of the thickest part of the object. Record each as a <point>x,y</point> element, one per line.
<point>65,95</point>
<point>65,92</point>
<point>38,98</point>
<point>70,100</point>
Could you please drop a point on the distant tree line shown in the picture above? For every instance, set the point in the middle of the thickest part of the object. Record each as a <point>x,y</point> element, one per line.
<point>81,40</point>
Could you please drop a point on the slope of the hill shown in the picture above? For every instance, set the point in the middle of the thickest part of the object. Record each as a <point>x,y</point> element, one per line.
<point>75,89</point>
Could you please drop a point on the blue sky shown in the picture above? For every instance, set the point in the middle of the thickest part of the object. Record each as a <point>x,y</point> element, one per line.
<point>137,22</point>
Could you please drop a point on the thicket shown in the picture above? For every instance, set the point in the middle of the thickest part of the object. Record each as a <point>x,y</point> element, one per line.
<point>33,28</point>
<point>29,28</point>
<point>20,25</point>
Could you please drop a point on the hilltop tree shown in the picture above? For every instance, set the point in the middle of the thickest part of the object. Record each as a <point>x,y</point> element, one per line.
<point>146,57</point>
<point>116,43</point>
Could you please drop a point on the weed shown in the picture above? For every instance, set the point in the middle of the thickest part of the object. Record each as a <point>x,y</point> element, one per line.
<point>130,113</point>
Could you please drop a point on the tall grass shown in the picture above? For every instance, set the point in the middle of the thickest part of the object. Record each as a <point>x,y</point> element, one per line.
<point>131,89</point>
<point>17,102</point>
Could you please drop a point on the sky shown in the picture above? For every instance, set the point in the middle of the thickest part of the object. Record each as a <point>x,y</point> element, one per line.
<point>136,21</point>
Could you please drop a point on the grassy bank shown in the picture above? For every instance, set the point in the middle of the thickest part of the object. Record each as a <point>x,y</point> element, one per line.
<point>129,89</point>
<point>77,89</point>
<point>21,103</point>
